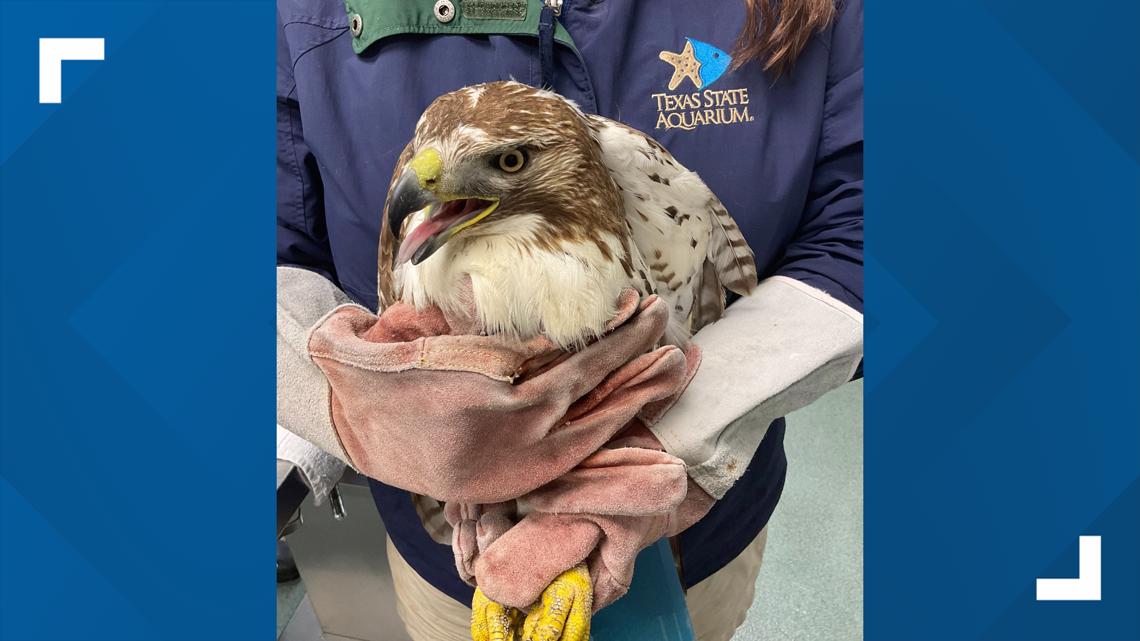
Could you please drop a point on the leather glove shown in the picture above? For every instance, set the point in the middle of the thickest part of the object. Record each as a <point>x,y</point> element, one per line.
<point>594,520</point>
<point>451,416</point>
<point>603,512</point>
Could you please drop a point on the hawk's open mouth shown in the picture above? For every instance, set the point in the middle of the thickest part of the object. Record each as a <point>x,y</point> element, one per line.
<point>443,221</point>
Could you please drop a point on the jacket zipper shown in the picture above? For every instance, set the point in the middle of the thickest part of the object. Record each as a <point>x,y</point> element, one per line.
<point>551,9</point>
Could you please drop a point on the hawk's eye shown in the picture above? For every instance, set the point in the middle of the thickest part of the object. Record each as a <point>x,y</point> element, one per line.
<point>512,161</point>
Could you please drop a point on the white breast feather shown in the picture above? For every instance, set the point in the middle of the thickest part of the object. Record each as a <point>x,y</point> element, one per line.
<point>518,289</point>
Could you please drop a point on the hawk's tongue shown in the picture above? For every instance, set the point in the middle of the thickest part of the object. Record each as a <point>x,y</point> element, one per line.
<point>445,216</point>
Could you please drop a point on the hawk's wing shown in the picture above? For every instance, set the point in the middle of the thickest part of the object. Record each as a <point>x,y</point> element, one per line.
<point>690,248</point>
<point>385,279</point>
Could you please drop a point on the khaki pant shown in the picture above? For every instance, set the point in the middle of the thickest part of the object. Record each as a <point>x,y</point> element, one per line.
<point>717,605</point>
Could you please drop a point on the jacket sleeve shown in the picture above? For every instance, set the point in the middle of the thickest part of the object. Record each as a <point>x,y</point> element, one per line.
<point>800,334</point>
<point>307,291</point>
<point>302,238</point>
<point>827,252</point>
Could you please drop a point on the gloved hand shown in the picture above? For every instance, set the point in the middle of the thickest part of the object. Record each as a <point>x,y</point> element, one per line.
<point>439,414</point>
<point>604,511</point>
<point>600,514</point>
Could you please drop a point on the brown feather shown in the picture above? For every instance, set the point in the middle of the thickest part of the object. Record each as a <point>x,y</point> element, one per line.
<point>729,252</point>
<point>728,260</point>
<point>709,303</point>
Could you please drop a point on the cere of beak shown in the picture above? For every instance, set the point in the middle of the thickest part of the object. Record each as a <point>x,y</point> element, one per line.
<point>443,221</point>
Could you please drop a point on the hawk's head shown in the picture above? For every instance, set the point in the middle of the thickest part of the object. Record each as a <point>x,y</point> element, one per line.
<point>490,152</point>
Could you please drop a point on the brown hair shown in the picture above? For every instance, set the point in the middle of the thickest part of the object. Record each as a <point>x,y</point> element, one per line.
<point>776,31</point>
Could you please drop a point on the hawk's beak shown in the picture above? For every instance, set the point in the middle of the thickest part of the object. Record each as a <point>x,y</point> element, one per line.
<point>415,188</point>
<point>448,214</point>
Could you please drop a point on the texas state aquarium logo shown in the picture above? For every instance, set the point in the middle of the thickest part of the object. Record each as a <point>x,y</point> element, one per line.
<point>701,64</point>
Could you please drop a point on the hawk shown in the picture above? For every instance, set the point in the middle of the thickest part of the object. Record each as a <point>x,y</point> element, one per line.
<point>551,212</point>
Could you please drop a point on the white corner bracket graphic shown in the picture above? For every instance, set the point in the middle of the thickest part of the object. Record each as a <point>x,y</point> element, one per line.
<point>1086,587</point>
<point>53,51</point>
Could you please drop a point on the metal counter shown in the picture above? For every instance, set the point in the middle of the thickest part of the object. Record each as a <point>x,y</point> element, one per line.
<point>343,564</point>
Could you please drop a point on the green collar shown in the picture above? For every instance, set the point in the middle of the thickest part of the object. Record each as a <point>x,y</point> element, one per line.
<point>373,20</point>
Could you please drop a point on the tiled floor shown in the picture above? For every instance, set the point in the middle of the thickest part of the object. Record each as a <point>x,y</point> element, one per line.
<point>811,585</point>
<point>289,596</point>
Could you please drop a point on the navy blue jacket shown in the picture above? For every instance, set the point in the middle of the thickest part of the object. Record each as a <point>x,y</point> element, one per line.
<point>785,157</point>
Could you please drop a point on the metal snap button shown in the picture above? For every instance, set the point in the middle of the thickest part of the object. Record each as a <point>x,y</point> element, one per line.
<point>444,11</point>
<point>356,24</point>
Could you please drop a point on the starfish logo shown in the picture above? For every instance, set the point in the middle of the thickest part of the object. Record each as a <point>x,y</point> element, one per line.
<point>699,61</point>
<point>701,64</point>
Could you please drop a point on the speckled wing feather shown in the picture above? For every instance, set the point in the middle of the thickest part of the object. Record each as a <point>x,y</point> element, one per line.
<point>709,304</point>
<point>385,279</point>
<point>690,249</point>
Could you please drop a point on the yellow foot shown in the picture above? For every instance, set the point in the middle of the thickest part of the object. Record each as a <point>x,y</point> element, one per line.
<point>563,613</point>
<point>491,621</point>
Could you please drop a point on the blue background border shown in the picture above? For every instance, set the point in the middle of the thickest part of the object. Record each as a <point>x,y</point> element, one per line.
<point>137,246</point>
<point>1003,326</point>
<point>1003,363</point>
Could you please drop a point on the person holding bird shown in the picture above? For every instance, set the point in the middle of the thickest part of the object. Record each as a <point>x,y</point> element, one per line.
<point>619,242</point>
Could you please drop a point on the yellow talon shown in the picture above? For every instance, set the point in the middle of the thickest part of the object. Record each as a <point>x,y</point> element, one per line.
<point>563,613</point>
<point>492,621</point>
